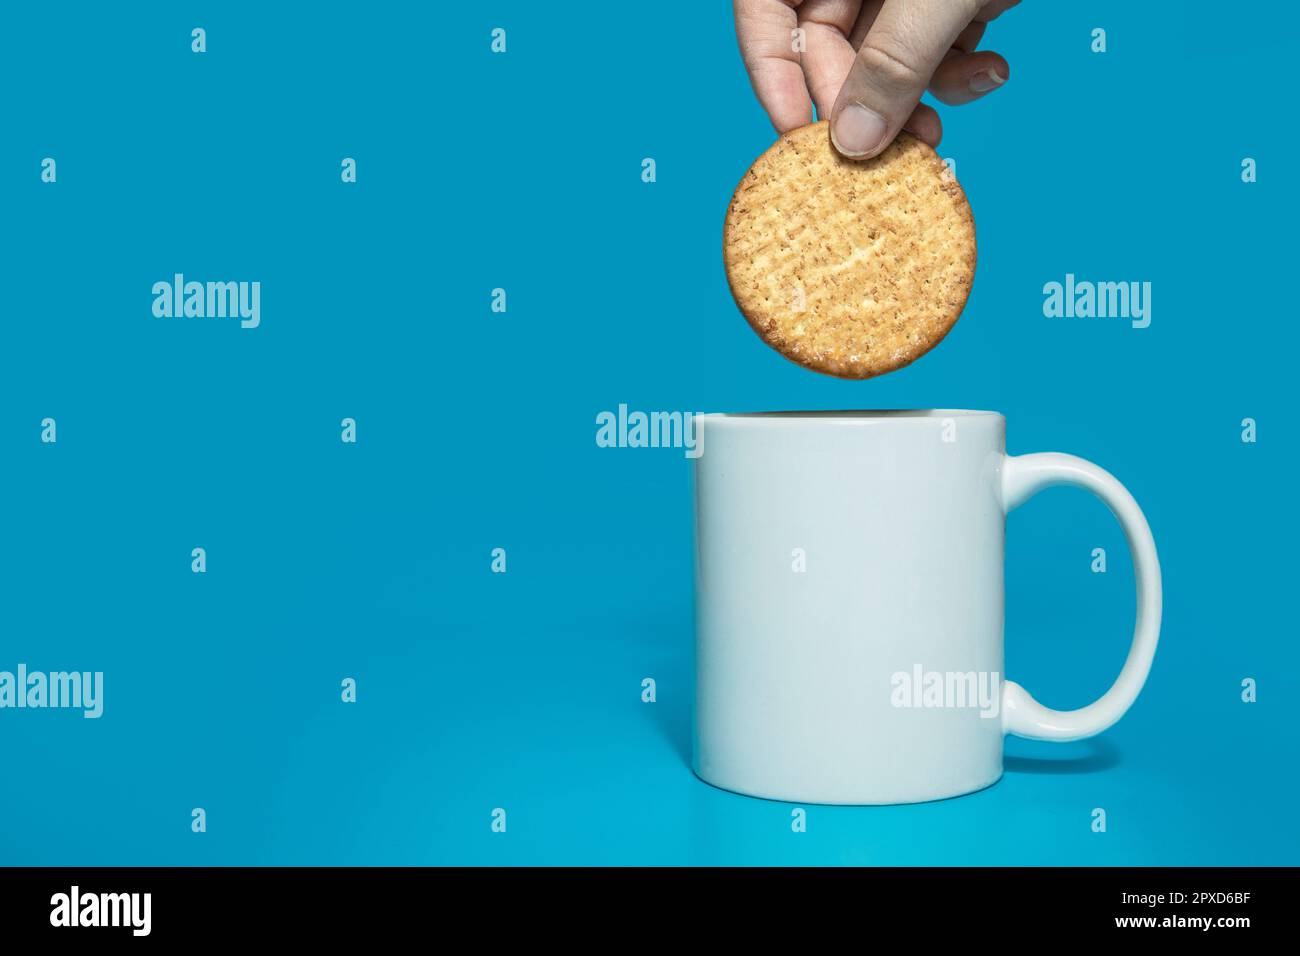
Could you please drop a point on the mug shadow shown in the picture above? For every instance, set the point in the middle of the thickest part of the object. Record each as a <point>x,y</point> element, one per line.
<point>1081,756</point>
<point>671,717</point>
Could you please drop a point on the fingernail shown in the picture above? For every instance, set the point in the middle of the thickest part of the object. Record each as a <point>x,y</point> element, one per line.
<point>989,79</point>
<point>858,130</point>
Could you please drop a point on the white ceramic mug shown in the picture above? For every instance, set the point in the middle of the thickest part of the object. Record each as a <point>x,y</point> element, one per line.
<point>849,589</point>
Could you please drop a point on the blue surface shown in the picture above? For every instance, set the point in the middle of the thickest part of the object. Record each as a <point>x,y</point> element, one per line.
<point>476,431</point>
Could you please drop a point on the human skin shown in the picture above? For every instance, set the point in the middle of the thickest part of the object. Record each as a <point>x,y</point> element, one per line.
<point>864,64</point>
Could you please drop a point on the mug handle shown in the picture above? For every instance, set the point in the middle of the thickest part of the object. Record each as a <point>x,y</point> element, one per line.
<point>1024,476</point>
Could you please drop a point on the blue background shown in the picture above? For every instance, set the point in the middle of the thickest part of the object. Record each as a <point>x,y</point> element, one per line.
<point>476,431</point>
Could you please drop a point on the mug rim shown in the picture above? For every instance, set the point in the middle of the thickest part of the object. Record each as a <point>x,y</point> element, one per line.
<point>851,416</point>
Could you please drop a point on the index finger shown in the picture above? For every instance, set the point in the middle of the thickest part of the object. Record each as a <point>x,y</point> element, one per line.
<point>765,30</point>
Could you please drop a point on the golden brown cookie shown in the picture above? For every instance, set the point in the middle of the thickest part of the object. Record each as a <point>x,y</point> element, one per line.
<point>849,268</point>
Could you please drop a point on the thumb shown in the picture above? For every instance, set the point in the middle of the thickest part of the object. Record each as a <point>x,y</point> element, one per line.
<point>906,43</point>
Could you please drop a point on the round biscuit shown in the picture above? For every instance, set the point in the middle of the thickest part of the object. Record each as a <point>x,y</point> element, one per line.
<point>849,268</point>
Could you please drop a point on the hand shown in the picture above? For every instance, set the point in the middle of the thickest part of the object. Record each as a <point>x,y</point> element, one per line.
<point>902,48</point>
